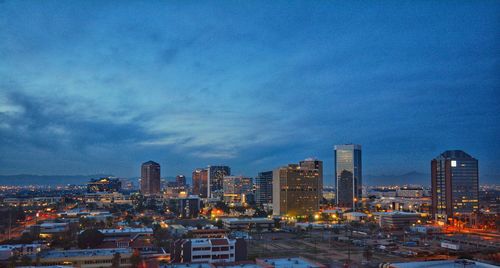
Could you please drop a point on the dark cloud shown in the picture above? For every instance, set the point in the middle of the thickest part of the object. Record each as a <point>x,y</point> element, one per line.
<point>102,87</point>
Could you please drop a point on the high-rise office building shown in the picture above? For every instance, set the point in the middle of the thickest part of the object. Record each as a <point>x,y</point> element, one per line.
<point>264,188</point>
<point>180,180</point>
<point>455,185</point>
<point>296,190</point>
<point>150,178</point>
<point>215,180</point>
<point>348,176</point>
<point>200,182</point>
<point>312,163</point>
<point>237,188</point>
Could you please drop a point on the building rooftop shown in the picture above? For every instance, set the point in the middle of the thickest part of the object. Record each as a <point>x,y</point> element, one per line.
<point>442,264</point>
<point>84,252</point>
<point>126,230</point>
<point>296,262</point>
<point>187,265</point>
<point>245,220</point>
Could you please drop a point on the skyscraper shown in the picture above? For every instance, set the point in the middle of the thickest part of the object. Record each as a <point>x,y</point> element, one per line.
<point>296,190</point>
<point>348,176</point>
<point>200,182</point>
<point>264,188</point>
<point>180,180</point>
<point>150,178</point>
<point>455,186</point>
<point>312,163</point>
<point>215,180</point>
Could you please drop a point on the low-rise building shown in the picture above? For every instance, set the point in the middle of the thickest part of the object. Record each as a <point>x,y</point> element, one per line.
<point>208,250</point>
<point>7,251</point>
<point>439,264</point>
<point>248,223</point>
<point>355,216</point>
<point>86,258</point>
<point>397,219</point>
<point>294,262</point>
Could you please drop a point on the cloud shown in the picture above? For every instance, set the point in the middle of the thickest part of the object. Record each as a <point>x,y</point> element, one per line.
<point>102,86</point>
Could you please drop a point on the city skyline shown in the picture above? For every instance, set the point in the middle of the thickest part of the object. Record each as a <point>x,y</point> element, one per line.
<point>101,94</point>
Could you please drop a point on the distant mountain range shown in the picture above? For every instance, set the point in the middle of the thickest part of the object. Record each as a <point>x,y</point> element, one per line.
<point>406,178</point>
<point>368,179</point>
<point>28,179</point>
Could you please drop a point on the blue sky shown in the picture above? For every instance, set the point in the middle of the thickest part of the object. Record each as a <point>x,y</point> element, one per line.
<point>101,86</point>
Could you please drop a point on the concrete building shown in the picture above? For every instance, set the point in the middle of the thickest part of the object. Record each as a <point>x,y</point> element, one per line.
<point>181,180</point>
<point>397,219</point>
<point>348,176</point>
<point>296,190</point>
<point>208,250</point>
<point>264,224</point>
<point>150,178</point>
<point>86,258</point>
<point>200,182</point>
<point>236,188</point>
<point>216,180</point>
<point>189,207</point>
<point>264,188</point>
<point>455,186</point>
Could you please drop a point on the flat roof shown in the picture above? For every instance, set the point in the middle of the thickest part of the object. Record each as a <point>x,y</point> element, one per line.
<point>443,264</point>
<point>126,230</point>
<point>84,252</point>
<point>187,265</point>
<point>295,262</point>
<point>236,220</point>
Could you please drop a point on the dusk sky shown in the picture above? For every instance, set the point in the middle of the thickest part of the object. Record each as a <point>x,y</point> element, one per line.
<point>92,87</point>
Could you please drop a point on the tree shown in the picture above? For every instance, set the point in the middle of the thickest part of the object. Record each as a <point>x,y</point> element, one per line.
<point>90,238</point>
<point>115,262</point>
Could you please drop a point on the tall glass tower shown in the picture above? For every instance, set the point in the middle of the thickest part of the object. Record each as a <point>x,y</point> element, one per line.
<point>348,175</point>
<point>455,185</point>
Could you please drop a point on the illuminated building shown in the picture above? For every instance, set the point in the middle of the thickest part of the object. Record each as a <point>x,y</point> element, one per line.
<point>181,180</point>
<point>200,182</point>
<point>348,176</point>
<point>296,190</point>
<point>264,188</point>
<point>455,185</point>
<point>215,180</point>
<point>236,188</point>
<point>150,178</point>
<point>107,184</point>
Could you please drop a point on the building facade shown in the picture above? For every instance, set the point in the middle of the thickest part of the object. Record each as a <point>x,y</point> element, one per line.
<point>264,188</point>
<point>455,185</point>
<point>236,188</point>
<point>150,178</point>
<point>181,180</point>
<point>216,180</point>
<point>296,190</point>
<point>211,250</point>
<point>200,182</point>
<point>348,176</point>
